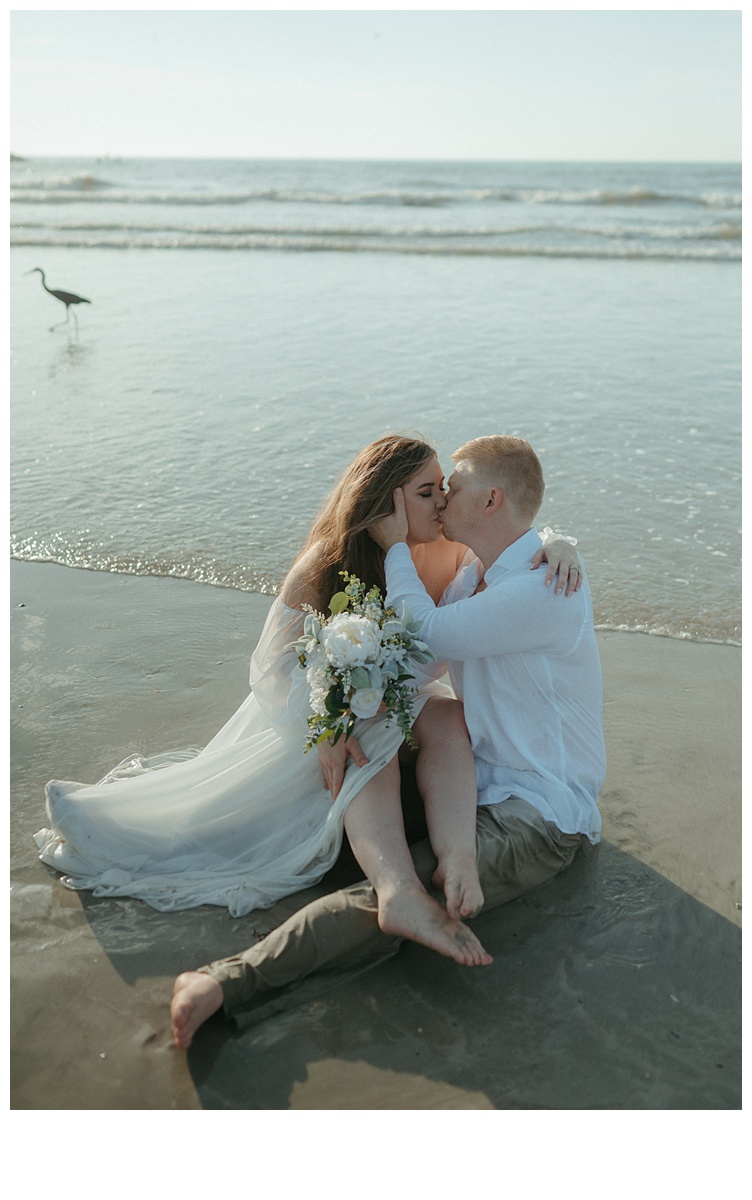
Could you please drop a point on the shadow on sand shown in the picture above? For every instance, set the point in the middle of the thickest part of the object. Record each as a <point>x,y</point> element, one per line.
<point>610,988</point>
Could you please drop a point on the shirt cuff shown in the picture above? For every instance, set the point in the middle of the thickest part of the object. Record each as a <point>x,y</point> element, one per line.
<point>396,554</point>
<point>549,536</point>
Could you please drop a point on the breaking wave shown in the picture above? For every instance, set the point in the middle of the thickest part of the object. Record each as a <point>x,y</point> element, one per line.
<point>86,188</point>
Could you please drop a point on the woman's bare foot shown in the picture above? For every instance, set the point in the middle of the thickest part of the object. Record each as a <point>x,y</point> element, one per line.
<point>410,912</point>
<point>459,879</point>
<point>196,996</point>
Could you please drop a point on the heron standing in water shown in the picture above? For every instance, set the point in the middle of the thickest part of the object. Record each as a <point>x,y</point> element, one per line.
<point>67,299</point>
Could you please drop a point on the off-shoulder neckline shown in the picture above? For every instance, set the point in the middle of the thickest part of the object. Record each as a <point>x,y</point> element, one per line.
<point>298,611</point>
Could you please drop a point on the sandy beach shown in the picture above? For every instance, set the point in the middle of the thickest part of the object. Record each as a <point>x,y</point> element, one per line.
<point>616,986</point>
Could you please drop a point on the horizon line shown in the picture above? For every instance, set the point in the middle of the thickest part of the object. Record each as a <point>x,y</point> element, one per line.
<point>377,158</point>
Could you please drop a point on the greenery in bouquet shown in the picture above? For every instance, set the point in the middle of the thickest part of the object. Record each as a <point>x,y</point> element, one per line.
<point>357,662</point>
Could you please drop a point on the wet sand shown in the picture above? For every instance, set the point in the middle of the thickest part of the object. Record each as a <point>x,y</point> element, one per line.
<point>617,986</point>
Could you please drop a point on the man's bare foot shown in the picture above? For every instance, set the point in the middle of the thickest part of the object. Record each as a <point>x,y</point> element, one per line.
<point>410,912</point>
<point>196,996</point>
<point>459,879</point>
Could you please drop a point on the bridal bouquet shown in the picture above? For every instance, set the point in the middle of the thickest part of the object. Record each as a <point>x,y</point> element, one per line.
<point>357,660</point>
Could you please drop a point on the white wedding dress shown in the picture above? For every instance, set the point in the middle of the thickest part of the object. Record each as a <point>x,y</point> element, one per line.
<point>240,823</point>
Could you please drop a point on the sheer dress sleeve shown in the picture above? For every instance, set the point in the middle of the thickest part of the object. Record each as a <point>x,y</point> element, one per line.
<point>277,680</point>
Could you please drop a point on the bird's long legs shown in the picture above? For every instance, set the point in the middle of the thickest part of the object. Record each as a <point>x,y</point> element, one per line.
<point>67,319</point>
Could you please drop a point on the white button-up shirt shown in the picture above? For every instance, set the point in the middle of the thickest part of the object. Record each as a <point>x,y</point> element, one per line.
<point>525,664</point>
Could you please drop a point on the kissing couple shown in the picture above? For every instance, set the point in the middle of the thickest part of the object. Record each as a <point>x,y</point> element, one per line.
<point>509,760</point>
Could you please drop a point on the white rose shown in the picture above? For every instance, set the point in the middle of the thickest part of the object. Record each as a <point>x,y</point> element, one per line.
<point>350,641</point>
<point>366,702</point>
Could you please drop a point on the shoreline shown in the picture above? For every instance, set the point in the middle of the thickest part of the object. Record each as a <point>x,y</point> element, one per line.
<point>106,664</point>
<point>244,586</point>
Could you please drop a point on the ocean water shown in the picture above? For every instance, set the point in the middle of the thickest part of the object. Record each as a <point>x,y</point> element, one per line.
<point>254,324</point>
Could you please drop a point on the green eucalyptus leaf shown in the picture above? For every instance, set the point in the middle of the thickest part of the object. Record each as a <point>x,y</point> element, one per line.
<point>338,603</point>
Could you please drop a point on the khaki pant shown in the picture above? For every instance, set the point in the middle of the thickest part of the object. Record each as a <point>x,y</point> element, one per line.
<point>516,851</point>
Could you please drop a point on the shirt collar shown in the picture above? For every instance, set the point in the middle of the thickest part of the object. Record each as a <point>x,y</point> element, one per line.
<point>515,556</point>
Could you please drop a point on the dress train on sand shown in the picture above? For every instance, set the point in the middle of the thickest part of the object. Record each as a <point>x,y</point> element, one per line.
<point>240,823</point>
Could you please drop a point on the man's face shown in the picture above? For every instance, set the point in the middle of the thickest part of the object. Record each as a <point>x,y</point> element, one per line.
<point>464,503</point>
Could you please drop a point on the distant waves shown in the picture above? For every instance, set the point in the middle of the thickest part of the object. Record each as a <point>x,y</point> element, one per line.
<point>415,243</point>
<point>90,189</point>
<point>550,210</point>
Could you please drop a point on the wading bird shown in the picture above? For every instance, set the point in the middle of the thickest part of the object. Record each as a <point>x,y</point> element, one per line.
<point>67,298</point>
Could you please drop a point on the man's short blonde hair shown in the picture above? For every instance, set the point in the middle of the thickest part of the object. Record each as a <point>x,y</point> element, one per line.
<point>509,463</point>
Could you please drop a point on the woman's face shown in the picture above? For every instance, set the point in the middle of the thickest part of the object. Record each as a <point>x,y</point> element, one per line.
<point>424,502</point>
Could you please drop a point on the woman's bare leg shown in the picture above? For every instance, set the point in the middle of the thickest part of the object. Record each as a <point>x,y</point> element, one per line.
<point>377,836</point>
<point>445,773</point>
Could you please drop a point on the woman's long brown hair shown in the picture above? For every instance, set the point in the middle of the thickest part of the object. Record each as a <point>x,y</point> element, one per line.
<point>362,496</point>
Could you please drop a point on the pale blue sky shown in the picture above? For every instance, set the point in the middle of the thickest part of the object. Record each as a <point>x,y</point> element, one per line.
<point>595,84</point>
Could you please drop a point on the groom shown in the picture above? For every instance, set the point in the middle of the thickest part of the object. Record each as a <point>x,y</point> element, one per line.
<point>526,669</point>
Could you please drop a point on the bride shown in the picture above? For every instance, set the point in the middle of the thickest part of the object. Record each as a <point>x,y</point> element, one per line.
<point>251,818</point>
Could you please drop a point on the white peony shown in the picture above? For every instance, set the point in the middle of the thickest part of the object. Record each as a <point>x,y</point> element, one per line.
<point>366,702</point>
<point>351,641</point>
